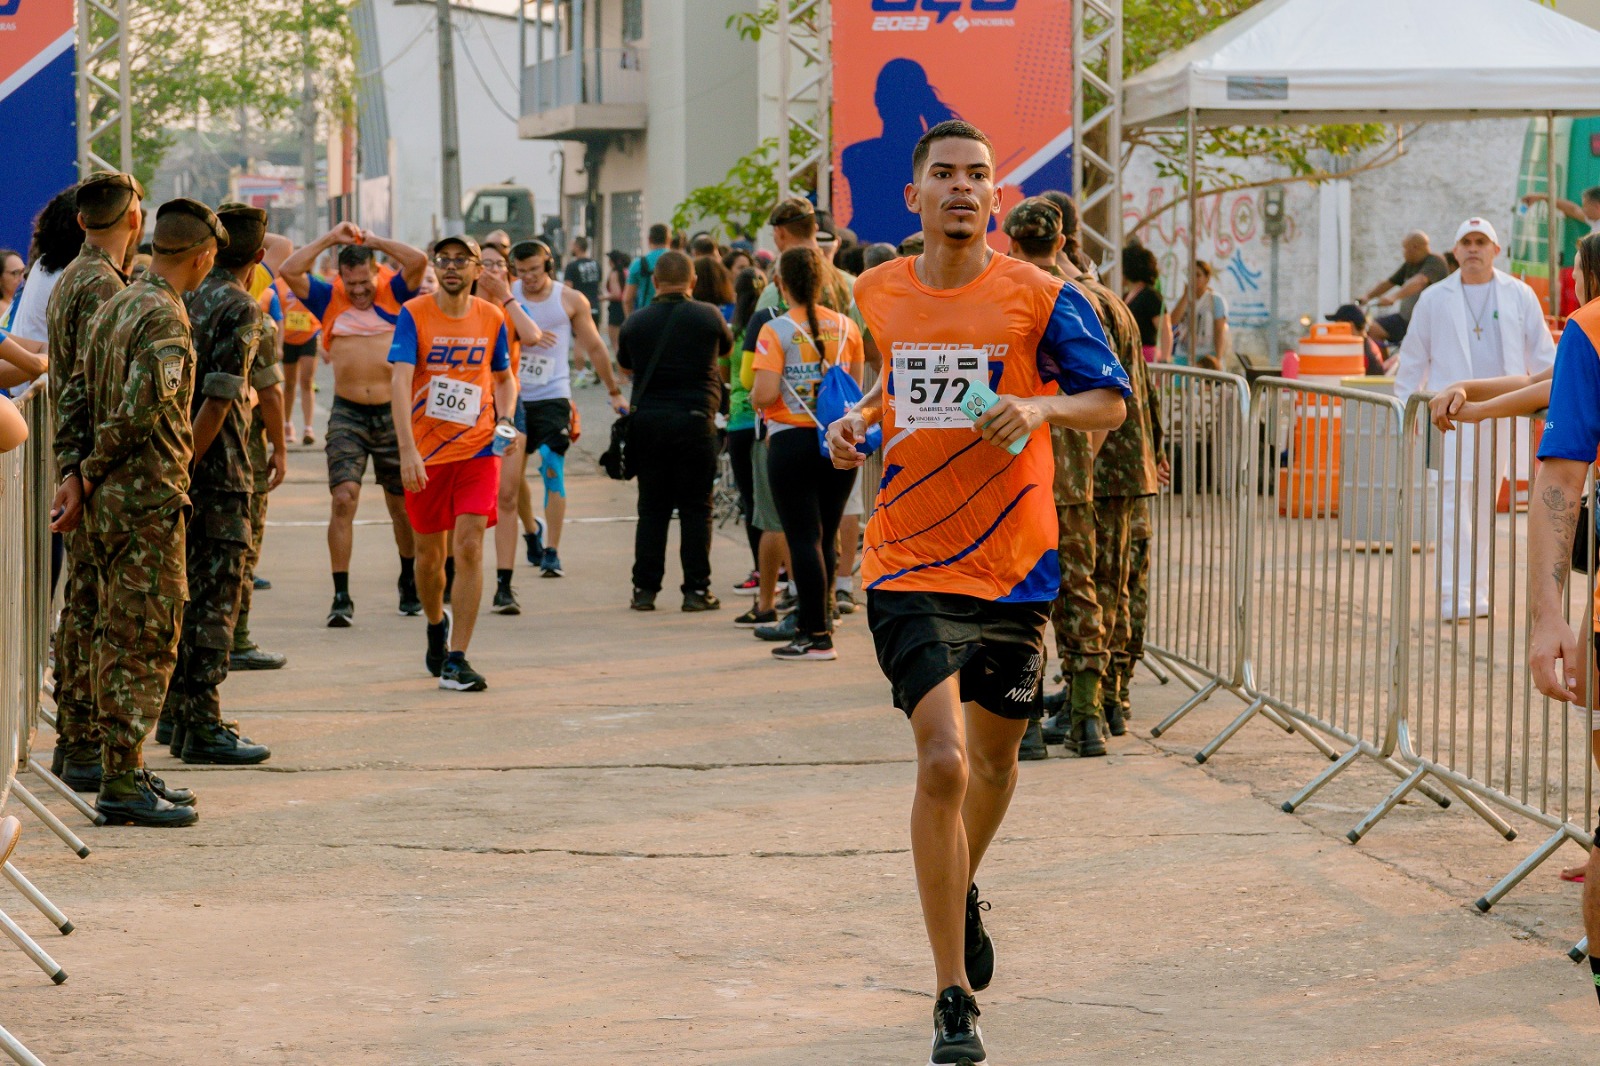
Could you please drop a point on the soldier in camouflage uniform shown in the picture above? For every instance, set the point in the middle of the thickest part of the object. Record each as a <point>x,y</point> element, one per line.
<point>1127,655</point>
<point>1034,227</point>
<point>109,211</point>
<point>268,469</point>
<point>228,331</point>
<point>138,369</point>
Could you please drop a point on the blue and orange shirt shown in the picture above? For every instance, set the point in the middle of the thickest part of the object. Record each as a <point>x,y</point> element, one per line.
<point>956,514</point>
<point>327,301</point>
<point>1572,426</point>
<point>456,360</point>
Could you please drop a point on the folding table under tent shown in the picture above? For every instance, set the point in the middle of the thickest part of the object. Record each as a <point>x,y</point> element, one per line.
<point>1323,62</point>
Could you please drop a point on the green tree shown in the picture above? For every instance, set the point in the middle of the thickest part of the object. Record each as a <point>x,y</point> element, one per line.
<point>218,63</point>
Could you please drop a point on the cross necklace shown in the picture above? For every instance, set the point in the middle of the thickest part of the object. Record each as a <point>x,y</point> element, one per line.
<point>1477,318</point>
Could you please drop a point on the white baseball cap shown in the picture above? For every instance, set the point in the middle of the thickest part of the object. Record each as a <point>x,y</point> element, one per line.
<point>1478,225</point>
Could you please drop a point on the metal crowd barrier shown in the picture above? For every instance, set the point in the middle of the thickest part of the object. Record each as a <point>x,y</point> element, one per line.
<point>26,487</point>
<point>1193,626</point>
<point>1468,714</point>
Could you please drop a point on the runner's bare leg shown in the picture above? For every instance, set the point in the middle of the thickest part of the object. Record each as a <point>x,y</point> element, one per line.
<point>467,591</point>
<point>992,744</point>
<point>938,836</point>
<point>405,541</point>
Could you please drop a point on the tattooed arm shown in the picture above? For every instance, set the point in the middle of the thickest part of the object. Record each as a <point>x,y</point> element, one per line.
<point>1552,525</point>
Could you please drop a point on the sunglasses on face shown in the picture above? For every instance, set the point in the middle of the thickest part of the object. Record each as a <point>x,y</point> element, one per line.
<point>453,262</point>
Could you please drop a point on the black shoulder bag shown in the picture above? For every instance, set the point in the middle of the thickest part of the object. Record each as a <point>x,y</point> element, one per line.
<point>615,460</point>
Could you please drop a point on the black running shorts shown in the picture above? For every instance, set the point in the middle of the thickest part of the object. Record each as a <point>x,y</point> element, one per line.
<point>997,648</point>
<point>549,424</point>
<point>293,353</point>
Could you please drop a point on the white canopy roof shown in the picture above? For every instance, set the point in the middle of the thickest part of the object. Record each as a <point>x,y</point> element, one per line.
<point>1325,61</point>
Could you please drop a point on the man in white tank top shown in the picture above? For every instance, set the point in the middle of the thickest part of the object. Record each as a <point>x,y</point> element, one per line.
<point>544,375</point>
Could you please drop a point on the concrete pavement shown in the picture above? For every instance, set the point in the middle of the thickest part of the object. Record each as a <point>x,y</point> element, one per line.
<point>648,840</point>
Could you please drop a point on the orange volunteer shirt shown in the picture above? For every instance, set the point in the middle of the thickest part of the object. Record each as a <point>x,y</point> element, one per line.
<point>452,388</point>
<point>784,348</point>
<point>956,514</point>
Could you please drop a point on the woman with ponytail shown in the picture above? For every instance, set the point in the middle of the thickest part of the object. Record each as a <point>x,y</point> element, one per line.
<point>793,353</point>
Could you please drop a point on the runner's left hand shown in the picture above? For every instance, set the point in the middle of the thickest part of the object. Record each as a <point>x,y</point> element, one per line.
<point>1009,420</point>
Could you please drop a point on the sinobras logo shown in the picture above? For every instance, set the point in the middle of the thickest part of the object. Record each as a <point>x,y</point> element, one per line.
<point>923,14</point>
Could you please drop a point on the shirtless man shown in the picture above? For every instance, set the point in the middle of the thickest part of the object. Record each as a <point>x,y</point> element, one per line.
<point>358,310</point>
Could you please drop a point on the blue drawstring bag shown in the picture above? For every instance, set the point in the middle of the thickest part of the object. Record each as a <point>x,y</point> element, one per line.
<point>837,393</point>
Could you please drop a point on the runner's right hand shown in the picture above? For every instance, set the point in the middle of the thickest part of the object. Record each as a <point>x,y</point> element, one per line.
<point>346,233</point>
<point>413,472</point>
<point>843,436</point>
<point>1554,641</point>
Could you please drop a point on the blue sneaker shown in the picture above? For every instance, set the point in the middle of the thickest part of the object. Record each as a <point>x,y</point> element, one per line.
<point>551,566</point>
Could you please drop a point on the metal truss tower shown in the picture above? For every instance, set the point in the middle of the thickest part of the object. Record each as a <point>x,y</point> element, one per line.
<point>805,93</point>
<point>102,106</point>
<point>1097,130</point>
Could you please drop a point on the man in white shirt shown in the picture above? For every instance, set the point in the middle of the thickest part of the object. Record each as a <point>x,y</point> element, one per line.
<point>1586,213</point>
<point>1478,323</point>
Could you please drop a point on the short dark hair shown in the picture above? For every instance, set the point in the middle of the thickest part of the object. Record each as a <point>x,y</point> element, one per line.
<point>355,255</point>
<point>1140,264</point>
<point>1592,194</point>
<point>660,234</point>
<point>672,268</point>
<point>950,129</point>
<point>878,254</point>
<point>581,243</point>
<point>531,249</point>
<point>702,244</point>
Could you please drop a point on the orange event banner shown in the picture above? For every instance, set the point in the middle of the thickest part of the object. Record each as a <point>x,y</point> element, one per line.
<point>901,66</point>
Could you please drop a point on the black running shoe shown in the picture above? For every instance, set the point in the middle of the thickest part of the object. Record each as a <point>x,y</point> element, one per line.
<point>535,543</point>
<point>701,600</point>
<point>410,602</point>
<point>787,603</point>
<point>980,949</point>
<point>754,617</point>
<point>459,676</point>
<point>342,612</point>
<point>957,1040</point>
<point>438,646</point>
<point>807,648</point>
<point>505,601</point>
<point>844,601</point>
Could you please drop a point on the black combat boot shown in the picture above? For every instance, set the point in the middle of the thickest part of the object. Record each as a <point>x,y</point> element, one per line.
<point>81,770</point>
<point>175,742</point>
<point>164,727</point>
<point>218,742</point>
<point>1032,748</point>
<point>178,797</point>
<point>1083,707</point>
<point>129,799</point>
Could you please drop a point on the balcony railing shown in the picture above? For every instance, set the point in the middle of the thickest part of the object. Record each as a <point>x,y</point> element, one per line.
<point>607,76</point>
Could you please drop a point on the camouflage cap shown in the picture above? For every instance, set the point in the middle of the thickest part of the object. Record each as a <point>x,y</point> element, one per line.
<point>247,229</point>
<point>1034,219</point>
<point>102,181</point>
<point>185,206</point>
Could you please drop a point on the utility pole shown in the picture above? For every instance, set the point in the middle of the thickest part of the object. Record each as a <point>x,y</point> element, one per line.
<point>449,142</point>
<point>308,130</point>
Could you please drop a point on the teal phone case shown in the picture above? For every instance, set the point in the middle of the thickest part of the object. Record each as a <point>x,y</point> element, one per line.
<point>979,399</point>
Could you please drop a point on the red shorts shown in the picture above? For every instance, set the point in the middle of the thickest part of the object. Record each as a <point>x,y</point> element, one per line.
<point>470,486</point>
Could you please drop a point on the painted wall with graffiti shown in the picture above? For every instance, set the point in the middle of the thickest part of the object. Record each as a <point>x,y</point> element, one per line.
<point>1234,242</point>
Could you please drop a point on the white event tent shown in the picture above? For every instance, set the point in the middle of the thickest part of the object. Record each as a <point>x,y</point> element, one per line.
<point>1316,62</point>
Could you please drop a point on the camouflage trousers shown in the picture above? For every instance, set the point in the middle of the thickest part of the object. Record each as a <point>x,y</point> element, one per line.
<point>1112,564</point>
<point>76,729</point>
<point>219,542</point>
<point>1138,586</point>
<point>258,530</point>
<point>140,589</point>
<point>1075,616</point>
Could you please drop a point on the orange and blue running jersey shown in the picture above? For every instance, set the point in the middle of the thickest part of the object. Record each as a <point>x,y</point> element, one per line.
<point>328,302</point>
<point>456,360</point>
<point>956,514</point>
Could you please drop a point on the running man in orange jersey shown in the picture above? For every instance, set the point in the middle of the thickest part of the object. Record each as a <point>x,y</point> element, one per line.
<point>959,561</point>
<point>452,389</point>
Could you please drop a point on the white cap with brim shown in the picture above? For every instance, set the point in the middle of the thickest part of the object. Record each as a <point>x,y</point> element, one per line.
<point>1478,225</point>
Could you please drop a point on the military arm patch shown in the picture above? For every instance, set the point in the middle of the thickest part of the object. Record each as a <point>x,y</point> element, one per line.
<point>170,359</point>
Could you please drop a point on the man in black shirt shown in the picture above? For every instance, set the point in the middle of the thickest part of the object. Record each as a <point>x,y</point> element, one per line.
<point>672,347</point>
<point>583,274</point>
